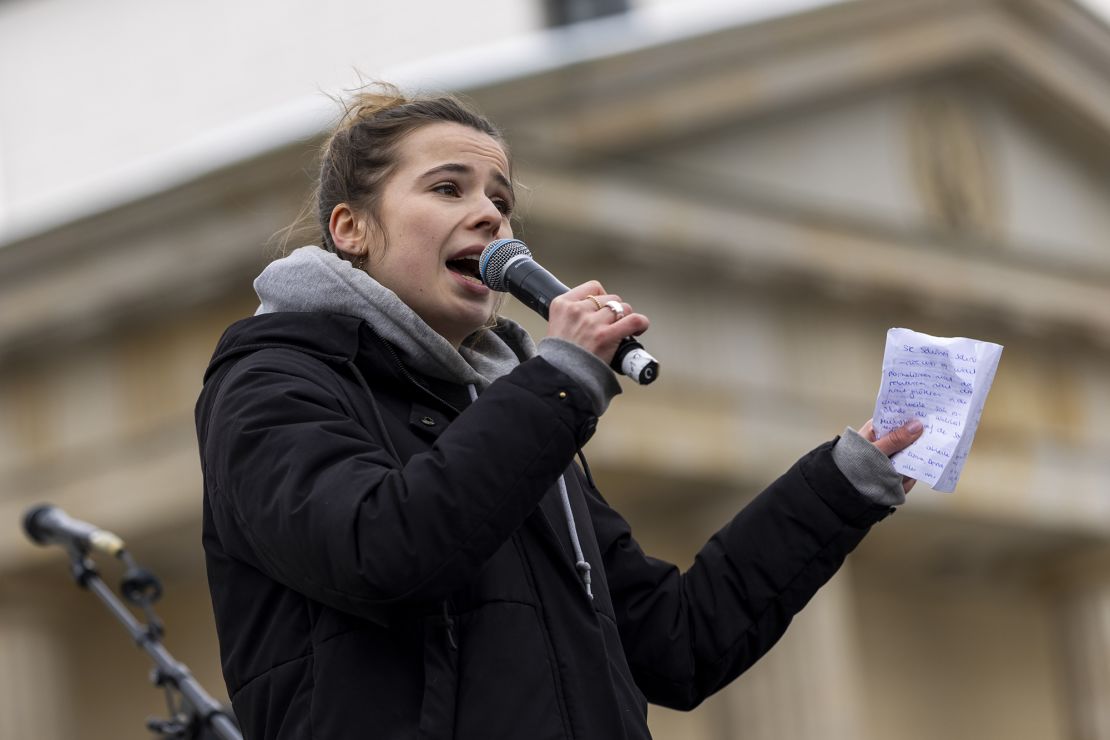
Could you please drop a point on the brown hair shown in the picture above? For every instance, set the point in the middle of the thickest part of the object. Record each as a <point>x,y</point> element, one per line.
<point>361,151</point>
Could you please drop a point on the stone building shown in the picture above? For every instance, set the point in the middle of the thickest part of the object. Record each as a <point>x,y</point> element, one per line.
<point>775,193</point>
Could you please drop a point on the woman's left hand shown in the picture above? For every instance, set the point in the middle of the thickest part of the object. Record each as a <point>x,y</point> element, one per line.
<point>898,440</point>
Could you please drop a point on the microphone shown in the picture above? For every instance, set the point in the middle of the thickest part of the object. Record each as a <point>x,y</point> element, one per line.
<point>506,266</point>
<point>49,525</point>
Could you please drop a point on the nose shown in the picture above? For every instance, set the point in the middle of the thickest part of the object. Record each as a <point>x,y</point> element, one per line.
<point>487,217</point>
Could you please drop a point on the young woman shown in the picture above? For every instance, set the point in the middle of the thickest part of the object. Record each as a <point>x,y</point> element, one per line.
<point>399,541</point>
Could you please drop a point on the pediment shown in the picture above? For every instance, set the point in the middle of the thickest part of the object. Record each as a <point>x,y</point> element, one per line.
<point>981,117</point>
<point>954,160</point>
<point>864,147</point>
<point>589,103</point>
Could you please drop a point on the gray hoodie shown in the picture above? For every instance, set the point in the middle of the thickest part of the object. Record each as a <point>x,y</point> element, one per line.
<point>312,279</point>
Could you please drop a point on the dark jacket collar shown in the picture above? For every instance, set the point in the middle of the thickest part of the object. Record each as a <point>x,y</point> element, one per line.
<point>333,338</point>
<point>328,336</point>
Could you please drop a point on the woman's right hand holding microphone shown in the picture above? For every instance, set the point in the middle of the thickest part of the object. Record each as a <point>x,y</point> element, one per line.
<point>588,316</point>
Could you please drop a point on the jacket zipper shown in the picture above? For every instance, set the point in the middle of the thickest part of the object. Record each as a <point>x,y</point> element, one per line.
<point>448,620</point>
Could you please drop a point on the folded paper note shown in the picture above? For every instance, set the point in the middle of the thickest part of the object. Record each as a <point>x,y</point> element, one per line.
<point>942,381</point>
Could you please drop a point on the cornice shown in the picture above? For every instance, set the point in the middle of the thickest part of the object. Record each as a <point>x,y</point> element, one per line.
<point>181,247</point>
<point>1054,48</point>
<point>750,244</point>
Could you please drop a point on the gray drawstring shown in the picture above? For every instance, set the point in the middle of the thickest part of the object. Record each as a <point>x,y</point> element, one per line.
<point>580,562</point>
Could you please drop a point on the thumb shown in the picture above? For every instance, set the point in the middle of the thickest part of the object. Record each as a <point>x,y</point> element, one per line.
<point>900,438</point>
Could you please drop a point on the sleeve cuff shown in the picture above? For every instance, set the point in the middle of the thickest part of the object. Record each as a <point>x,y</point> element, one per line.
<point>584,368</point>
<point>868,469</point>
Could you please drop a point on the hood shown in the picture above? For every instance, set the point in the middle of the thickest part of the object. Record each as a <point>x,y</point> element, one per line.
<point>329,337</point>
<point>313,280</point>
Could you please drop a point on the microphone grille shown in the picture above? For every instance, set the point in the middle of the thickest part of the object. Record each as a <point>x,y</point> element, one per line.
<point>491,265</point>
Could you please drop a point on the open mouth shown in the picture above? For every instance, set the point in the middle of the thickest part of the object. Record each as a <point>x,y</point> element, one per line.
<point>467,267</point>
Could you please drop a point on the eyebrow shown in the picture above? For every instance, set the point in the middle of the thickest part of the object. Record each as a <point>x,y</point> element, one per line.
<point>464,169</point>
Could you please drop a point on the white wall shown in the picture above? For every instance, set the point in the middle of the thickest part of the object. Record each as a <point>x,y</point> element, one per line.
<point>90,92</point>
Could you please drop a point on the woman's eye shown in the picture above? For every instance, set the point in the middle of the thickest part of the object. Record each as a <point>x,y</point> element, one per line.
<point>504,206</point>
<point>446,188</point>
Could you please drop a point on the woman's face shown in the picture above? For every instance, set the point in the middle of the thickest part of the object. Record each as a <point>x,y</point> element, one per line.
<point>447,198</point>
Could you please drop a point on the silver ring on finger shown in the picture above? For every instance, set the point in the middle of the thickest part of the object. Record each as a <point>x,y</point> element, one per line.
<point>616,308</point>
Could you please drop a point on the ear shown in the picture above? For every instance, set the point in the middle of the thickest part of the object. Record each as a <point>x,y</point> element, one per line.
<point>348,232</point>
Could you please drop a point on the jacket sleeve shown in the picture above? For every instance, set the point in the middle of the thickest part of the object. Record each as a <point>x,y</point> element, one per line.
<point>305,493</point>
<point>686,635</point>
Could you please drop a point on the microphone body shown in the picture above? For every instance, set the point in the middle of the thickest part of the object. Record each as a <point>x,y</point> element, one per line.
<point>49,525</point>
<point>532,285</point>
<point>506,265</point>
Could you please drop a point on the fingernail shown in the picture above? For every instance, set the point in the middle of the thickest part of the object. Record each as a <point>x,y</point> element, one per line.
<point>914,426</point>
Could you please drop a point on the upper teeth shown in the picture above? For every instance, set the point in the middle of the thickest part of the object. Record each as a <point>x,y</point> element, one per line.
<point>466,272</point>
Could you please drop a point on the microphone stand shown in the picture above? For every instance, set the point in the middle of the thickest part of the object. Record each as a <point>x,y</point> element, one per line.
<point>197,715</point>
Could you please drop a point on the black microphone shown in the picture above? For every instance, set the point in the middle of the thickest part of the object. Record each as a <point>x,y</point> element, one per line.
<point>506,266</point>
<point>49,525</point>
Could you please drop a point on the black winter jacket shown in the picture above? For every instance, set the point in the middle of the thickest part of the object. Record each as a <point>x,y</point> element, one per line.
<point>388,560</point>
